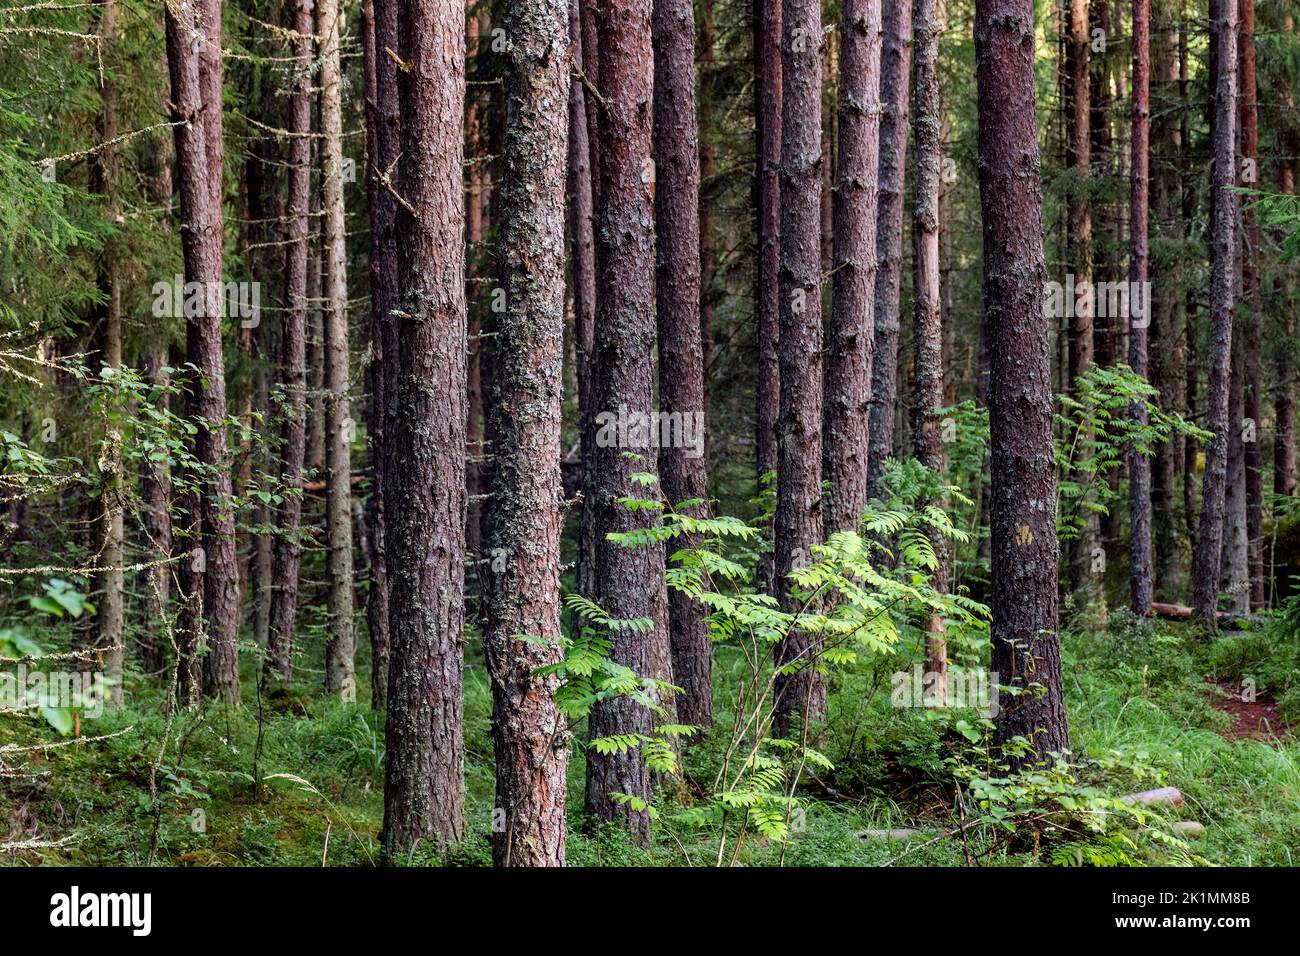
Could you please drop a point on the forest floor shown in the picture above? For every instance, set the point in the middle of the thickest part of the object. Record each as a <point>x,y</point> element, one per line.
<point>1148,706</point>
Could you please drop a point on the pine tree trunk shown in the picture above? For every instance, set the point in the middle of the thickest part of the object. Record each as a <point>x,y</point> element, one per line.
<point>340,668</point>
<point>424,791</point>
<point>1140,584</point>
<point>380,147</point>
<point>1284,453</point>
<point>802,691</point>
<point>1223,80</point>
<point>895,66</point>
<point>928,396</point>
<point>110,610</point>
<point>1254,309</point>
<point>852,326</point>
<point>677,297</point>
<point>286,555</point>
<point>767,121</point>
<point>1026,650</point>
<point>524,520</point>
<point>626,580</point>
<point>208,576</point>
<point>1168,353</point>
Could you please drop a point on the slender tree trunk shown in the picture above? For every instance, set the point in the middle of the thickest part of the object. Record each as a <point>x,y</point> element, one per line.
<point>383,292</point>
<point>708,256</point>
<point>801,690</point>
<point>1168,353</point>
<point>209,579</point>
<point>1284,453</point>
<point>1026,649</point>
<point>582,259</point>
<point>286,556</point>
<point>1188,179</point>
<point>530,736</point>
<point>110,611</point>
<point>626,580</point>
<point>424,791</point>
<point>155,496</point>
<point>677,297</point>
<point>928,396</point>
<point>767,121</point>
<point>1250,281</point>
<point>1140,584</point>
<point>340,668</point>
<point>853,269</point>
<point>894,69</point>
<point>1082,347</point>
<point>1223,79</point>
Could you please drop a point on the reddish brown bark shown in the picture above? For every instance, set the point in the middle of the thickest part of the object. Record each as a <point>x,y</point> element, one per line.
<point>626,581</point>
<point>851,330</point>
<point>802,691</point>
<point>677,297</point>
<point>524,521</point>
<point>767,121</point>
<point>1026,649</point>
<point>424,796</point>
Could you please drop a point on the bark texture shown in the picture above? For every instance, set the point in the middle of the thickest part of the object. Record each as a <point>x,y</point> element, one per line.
<point>286,556</point>
<point>1140,582</point>
<point>767,293</point>
<point>1223,79</point>
<point>340,668</point>
<point>424,794</point>
<point>626,580</point>
<point>524,520</point>
<point>1026,648</point>
<point>894,71</point>
<point>677,298</point>
<point>851,330</point>
<point>802,690</point>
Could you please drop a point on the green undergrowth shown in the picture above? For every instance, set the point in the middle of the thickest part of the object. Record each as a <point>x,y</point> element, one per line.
<point>1141,703</point>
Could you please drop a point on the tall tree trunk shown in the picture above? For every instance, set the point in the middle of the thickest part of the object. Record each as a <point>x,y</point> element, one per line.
<point>626,580</point>
<point>209,576</point>
<point>476,259</point>
<point>1140,584</point>
<point>1026,648</point>
<point>801,690</point>
<point>340,668</point>
<point>424,790</point>
<point>524,522</point>
<point>1079,213</point>
<point>582,259</point>
<point>708,256</point>
<point>1250,281</point>
<point>1223,79</point>
<point>853,268</point>
<point>928,396</point>
<point>381,145</point>
<point>1284,453</point>
<point>677,297</point>
<point>767,122</point>
<point>894,70</point>
<point>286,555</point>
<point>1188,179</point>
<point>1168,352</point>
<point>110,612</point>
<point>221,576</point>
